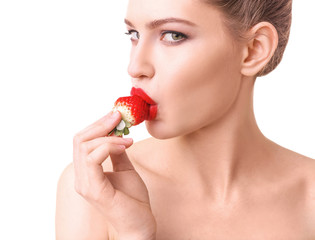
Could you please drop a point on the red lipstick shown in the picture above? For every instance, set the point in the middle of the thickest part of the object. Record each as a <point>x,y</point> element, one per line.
<point>140,93</point>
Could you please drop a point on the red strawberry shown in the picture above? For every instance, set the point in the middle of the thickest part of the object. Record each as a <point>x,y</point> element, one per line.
<point>134,110</point>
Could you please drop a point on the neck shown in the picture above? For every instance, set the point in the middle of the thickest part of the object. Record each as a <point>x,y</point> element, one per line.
<point>221,154</point>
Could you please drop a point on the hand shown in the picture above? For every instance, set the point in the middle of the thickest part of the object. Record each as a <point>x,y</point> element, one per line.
<point>121,196</point>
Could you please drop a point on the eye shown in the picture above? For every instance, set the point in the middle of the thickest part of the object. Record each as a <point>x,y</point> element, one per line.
<point>134,35</point>
<point>173,37</point>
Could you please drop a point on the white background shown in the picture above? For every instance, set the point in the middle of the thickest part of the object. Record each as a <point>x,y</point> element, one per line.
<point>63,63</point>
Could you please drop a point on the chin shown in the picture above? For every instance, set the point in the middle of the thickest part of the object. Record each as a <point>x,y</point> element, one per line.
<point>159,131</point>
<point>162,131</point>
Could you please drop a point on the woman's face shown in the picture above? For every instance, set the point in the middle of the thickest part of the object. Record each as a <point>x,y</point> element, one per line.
<point>185,61</point>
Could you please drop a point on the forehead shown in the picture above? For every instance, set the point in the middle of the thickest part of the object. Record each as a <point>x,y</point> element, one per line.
<point>195,11</point>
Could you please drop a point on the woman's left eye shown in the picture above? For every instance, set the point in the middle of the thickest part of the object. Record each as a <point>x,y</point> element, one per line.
<point>173,37</point>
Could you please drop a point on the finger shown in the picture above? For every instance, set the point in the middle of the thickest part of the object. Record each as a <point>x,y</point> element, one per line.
<point>121,162</point>
<point>100,128</point>
<point>100,154</point>
<point>91,145</point>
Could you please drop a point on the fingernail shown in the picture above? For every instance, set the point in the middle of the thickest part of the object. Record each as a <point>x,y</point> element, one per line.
<point>122,147</point>
<point>114,114</point>
<point>128,140</point>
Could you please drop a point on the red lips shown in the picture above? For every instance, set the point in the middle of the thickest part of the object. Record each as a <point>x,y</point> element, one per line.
<point>139,92</point>
<point>153,107</point>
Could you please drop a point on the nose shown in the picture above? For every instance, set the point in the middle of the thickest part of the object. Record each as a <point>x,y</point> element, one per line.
<point>141,61</point>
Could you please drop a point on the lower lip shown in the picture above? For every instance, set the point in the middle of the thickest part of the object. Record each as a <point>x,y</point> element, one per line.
<point>139,92</point>
<point>153,112</point>
<point>153,107</point>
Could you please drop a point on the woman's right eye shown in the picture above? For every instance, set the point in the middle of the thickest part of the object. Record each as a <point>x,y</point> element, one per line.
<point>134,35</point>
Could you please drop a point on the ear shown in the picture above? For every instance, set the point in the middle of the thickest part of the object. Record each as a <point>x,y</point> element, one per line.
<point>258,50</point>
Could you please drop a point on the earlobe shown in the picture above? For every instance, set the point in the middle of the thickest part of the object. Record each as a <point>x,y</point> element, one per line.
<point>259,49</point>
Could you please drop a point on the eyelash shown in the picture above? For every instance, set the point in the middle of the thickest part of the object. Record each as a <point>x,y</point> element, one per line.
<point>183,36</point>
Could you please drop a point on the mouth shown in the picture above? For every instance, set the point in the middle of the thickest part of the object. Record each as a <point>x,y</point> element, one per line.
<point>153,107</point>
<point>140,93</point>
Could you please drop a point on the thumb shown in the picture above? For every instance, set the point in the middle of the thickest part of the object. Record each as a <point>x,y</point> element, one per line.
<point>121,162</point>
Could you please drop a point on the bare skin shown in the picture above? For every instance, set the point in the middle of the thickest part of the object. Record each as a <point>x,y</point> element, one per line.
<point>275,200</point>
<point>188,206</point>
<point>211,174</point>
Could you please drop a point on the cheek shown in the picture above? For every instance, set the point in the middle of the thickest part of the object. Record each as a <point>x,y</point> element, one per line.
<point>194,91</point>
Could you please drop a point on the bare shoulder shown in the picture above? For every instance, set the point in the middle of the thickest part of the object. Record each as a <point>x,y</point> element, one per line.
<point>75,217</point>
<point>308,168</point>
<point>308,173</point>
<point>305,168</point>
<point>146,154</point>
<point>302,168</point>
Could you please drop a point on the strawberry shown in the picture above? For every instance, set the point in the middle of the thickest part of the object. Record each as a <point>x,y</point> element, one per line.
<point>134,110</point>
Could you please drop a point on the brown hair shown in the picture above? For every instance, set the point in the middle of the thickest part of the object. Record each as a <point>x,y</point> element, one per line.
<point>241,15</point>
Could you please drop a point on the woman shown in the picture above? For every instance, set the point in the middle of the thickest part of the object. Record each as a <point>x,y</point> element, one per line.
<point>208,172</point>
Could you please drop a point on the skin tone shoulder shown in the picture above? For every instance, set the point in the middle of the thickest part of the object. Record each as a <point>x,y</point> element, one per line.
<point>209,172</point>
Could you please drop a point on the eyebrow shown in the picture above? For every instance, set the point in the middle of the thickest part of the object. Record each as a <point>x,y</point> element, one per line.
<point>159,22</point>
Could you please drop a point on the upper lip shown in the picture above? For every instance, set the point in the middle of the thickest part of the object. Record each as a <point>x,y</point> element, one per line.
<point>141,93</point>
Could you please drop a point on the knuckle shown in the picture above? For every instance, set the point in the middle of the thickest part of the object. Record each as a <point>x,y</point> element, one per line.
<point>77,139</point>
<point>106,146</point>
<point>83,148</point>
<point>90,159</point>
